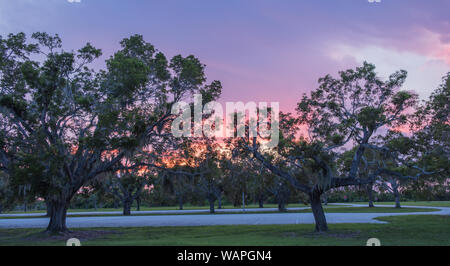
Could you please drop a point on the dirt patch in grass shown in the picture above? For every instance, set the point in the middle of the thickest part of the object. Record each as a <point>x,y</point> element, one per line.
<point>81,235</point>
<point>290,234</point>
<point>4,234</point>
<point>338,235</point>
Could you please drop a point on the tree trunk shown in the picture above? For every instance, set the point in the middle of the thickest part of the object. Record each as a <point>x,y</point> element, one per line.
<point>95,203</point>
<point>237,200</point>
<point>220,202</point>
<point>397,198</point>
<point>138,203</point>
<point>1,208</point>
<point>319,215</point>
<point>58,213</point>
<point>49,209</point>
<point>281,207</point>
<point>281,199</point>
<point>325,199</point>
<point>25,208</point>
<point>211,205</point>
<point>370,195</point>
<point>180,202</point>
<point>261,203</point>
<point>127,206</point>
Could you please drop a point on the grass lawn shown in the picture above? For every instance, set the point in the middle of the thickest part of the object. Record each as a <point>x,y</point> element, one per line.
<point>411,203</point>
<point>370,210</point>
<point>328,209</point>
<point>401,230</point>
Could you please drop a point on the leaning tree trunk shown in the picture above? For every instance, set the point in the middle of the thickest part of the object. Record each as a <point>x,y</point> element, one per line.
<point>49,209</point>
<point>370,195</point>
<point>127,206</point>
<point>319,215</point>
<point>58,213</point>
<point>325,199</point>
<point>397,198</point>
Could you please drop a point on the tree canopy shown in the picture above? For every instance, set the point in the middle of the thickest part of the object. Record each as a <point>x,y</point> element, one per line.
<point>64,124</point>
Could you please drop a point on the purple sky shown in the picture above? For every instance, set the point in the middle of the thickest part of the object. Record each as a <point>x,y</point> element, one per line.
<point>261,50</point>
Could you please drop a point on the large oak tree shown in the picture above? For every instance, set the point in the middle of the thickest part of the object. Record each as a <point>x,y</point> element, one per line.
<point>64,124</point>
<point>344,112</point>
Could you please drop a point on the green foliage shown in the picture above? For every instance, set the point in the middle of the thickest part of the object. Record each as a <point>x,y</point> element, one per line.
<point>370,117</point>
<point>65,124</point>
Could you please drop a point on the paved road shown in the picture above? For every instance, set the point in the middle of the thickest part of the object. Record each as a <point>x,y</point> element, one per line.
<point>221,219</point>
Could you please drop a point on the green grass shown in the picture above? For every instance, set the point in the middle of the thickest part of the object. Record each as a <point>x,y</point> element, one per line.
<point>401,230</point>
<point>328,209</point>
<point>371,210</point>
<point>412,203</point>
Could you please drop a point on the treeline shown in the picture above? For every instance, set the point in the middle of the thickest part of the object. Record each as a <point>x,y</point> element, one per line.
<point>161,196</point>
<point>69,132</point>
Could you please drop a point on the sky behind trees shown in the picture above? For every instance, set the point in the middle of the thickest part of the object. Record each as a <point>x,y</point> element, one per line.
<point>261,50</point>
